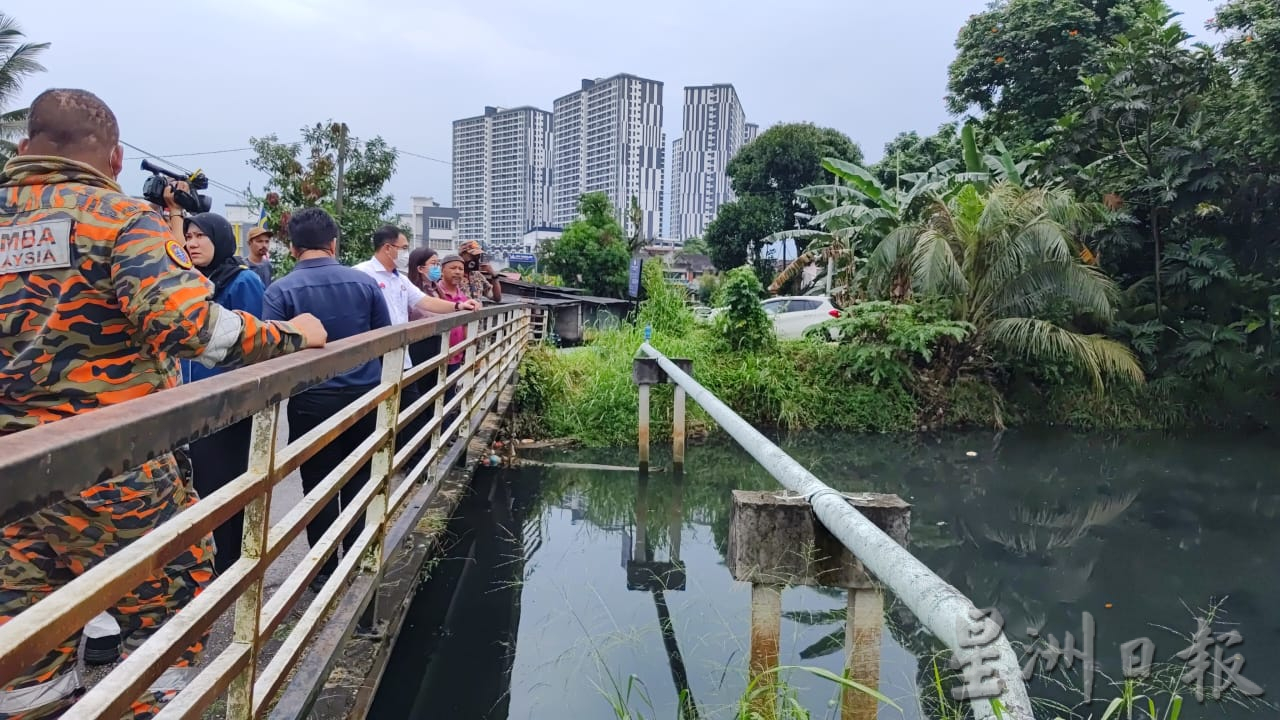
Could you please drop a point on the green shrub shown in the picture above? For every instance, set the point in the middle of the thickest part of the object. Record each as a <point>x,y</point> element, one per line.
<point>886,342</point>
<point>743,326</point>
<point>664,307</point>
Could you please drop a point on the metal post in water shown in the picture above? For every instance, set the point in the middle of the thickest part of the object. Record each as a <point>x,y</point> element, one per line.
<point>766,628</point>
<point>863,626</point>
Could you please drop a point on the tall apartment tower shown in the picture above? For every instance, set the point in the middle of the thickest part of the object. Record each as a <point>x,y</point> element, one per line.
<point>752,130</point>
<point>502,175</point>
<point>609,138</point>
<point>715,128</point>
<point>672,226</point>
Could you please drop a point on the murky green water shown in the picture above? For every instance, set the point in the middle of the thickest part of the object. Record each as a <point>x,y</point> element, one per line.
<point>532,615</point>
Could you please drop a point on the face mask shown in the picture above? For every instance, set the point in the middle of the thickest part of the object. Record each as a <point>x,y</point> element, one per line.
<point>434,274</point>
<point>402,261</point>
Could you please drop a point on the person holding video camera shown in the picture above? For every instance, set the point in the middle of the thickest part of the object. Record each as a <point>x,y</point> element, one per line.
<point>99,313</point>
<point>481,281</point>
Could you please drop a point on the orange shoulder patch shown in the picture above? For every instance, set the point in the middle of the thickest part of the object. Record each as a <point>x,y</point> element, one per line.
<point>178,254</point>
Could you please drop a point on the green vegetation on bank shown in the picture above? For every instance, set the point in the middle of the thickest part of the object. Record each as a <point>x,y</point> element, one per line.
<point>879,383</point>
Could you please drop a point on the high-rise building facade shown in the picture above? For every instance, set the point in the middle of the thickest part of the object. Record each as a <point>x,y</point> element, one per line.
<point>502,175</point>
<point>715,128</point>
<point>672,227</point>
<point>608,138</point>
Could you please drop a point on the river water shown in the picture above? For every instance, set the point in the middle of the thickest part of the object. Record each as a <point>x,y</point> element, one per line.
<point>532,615</point>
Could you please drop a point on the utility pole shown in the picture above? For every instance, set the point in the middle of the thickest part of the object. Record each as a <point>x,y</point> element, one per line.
<point>340,129</point>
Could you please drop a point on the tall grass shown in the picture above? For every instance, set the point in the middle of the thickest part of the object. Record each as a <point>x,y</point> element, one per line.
<point>586,393</point>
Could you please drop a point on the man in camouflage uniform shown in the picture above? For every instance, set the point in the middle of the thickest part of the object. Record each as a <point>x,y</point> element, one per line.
<point>98,301</point>
<point>481,281</point>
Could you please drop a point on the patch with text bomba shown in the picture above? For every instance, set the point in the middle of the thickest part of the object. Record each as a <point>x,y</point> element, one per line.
<point>178,254</point>
<point>44,245</point>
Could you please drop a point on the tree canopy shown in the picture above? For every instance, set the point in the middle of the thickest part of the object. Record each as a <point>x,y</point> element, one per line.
<point>305,174</point>
<point>785,158</point>
<point>592,252</point>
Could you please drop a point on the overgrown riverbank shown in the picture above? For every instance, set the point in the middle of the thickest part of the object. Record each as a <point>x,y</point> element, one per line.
<point>888,380</point>
<point>586,393</point>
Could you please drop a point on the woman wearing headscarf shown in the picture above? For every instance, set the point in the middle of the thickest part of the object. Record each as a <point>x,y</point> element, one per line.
<point>223,456</point>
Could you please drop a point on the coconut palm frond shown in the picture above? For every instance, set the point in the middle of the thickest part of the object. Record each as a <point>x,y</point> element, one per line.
<point>1083,286</point>
<point>1097,355</point>
<point>934,267</point>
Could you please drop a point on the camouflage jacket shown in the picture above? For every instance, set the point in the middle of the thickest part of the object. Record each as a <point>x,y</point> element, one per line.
<point>98,299</point>
<point>477,286</point>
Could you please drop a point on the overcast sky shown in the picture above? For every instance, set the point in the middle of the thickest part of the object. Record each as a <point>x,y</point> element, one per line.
<point>193,77</point>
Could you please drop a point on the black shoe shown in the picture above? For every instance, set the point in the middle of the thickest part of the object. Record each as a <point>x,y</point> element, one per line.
<point>318,583</point>
<point>103,650</point>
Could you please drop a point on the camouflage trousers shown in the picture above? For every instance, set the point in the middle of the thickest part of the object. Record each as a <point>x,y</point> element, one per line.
<point>51,547</point>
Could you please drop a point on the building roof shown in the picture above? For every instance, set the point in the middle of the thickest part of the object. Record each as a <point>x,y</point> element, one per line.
<point>694,261</point>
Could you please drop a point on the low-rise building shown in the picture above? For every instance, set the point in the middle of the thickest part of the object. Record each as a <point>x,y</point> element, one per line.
<point>433,225</point>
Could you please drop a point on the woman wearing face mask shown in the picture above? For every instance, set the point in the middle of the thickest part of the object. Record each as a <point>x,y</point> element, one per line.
<point>424,272</point>
<point>221,457</point>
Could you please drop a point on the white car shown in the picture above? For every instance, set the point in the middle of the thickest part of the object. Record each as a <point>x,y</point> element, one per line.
<point>792,315</point>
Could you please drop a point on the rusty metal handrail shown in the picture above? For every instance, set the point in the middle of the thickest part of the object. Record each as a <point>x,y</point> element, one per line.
<point>50,462</point>
<point>940,607</point>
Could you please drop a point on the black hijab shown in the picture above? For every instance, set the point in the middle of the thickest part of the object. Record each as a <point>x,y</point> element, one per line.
<point>225,264</point>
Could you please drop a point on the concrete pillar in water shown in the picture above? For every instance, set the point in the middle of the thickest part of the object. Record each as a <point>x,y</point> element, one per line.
<point>646,372</point>
<point>644,428</point>
<point>776,541</point>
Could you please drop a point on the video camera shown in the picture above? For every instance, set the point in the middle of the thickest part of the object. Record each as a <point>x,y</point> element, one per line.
<point>193,202</point>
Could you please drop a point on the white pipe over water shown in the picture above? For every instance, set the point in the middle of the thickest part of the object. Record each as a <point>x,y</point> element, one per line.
<point>938,605</point>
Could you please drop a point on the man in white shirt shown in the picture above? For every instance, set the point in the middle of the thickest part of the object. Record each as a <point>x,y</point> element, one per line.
<point>388,266</point>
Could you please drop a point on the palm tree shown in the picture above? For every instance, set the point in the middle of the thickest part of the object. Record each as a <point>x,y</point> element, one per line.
<point>1003,258</point>
<point>17,61</point>
<point>853,214</point>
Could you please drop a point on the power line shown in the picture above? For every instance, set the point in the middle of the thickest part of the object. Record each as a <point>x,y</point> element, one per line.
<point>203,152</point>
<point>221,186</point>
<point>167,160</point>
<point>424,157</point>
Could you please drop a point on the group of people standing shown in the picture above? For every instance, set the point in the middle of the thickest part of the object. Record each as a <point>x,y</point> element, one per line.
<point>122,300</point>
<point>396,285</point>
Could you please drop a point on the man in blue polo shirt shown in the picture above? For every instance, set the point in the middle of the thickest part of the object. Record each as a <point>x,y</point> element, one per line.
<point>348,302</point>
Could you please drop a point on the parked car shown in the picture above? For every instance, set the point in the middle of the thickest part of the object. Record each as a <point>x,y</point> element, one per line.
<point>791,315</point>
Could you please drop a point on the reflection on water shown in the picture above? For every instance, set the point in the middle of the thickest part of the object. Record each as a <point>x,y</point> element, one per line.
<point>568,590</point>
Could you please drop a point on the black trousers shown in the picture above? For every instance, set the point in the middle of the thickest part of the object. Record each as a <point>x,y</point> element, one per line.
<point>419,352</point>
<point>306,410</point>
<point>215,461</point>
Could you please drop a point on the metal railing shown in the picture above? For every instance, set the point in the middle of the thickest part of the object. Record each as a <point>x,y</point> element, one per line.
<point>60,459</point>
<point>939,606</point>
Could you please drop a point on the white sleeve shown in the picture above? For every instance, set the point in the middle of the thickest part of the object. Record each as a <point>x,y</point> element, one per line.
<point>415,295</point>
